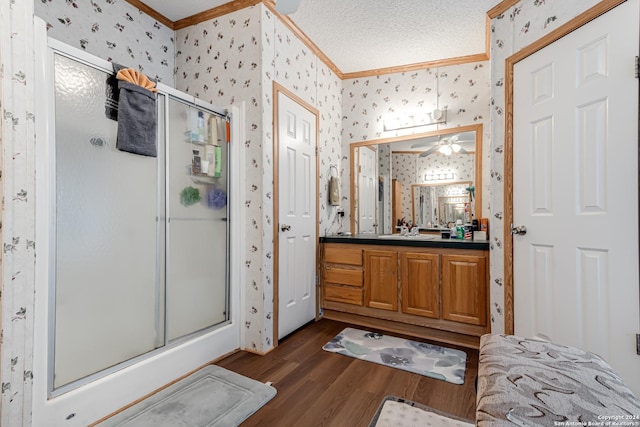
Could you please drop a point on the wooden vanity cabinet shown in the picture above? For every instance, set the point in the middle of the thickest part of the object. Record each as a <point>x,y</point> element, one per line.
<point>464,289</point>
<point>342,274</point>
<point>420,283</point>
<point>381,279</point>
<point>429,292</point>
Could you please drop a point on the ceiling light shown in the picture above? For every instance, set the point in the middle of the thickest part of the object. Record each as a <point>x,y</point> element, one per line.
<point>446,150</point>
<point>285,7</point>
<point>455,147</point>
<point>414,120</point>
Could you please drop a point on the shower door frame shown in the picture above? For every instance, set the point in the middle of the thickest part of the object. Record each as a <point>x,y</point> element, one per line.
<point>101,393</point>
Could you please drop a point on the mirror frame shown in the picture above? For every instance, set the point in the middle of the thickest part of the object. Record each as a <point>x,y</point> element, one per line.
<point>478,164</point>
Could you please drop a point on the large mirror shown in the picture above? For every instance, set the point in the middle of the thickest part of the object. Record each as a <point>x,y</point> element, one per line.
<point>429,180</point>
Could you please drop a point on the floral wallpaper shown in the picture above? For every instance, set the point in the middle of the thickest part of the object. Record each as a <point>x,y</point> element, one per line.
<point>17,136</point>
<point>463,90</point>
<point>218,61</point>
<point>519,26</point>
<point>235,59</point>
<point>113,30</point>
<point>403,168</point>
<point>461,165</point>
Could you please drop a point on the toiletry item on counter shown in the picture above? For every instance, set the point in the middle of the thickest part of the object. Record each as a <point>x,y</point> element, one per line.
<point>467,230</point>
<point>445,234</point>
<point>479,235</point>
<point>459,229</point>
<point>484,225</point>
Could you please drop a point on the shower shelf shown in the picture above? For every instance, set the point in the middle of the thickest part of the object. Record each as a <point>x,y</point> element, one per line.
<point>204,179</point>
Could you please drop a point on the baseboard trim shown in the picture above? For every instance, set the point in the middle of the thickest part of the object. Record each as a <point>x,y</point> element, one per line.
<point>446,337</point>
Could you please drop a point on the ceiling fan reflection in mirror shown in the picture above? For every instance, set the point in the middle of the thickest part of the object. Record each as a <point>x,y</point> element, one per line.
<point>287,7</point>
<point>446,146</point>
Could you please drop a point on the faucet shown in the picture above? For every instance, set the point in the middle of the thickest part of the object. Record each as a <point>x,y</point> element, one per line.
<point>404,230</point>
<point>414,231</point>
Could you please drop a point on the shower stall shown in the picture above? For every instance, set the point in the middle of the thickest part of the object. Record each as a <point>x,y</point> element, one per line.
<point>138,254</point>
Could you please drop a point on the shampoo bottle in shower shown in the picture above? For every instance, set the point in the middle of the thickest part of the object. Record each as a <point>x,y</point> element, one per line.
<point>218,167</point>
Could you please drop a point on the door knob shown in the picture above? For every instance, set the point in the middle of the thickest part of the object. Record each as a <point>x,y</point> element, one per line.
<point>520,230</point>
<point>285,227</point>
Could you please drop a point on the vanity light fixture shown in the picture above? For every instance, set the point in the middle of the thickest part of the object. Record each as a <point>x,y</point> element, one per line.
<point>415,120</point>
<point>439,176</point>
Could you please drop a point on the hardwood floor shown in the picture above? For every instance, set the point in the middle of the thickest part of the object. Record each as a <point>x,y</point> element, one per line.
<point>318,388</point>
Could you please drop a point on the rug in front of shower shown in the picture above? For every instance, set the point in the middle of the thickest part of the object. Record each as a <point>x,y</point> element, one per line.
<point>212,396</point>
<point>420,358</point>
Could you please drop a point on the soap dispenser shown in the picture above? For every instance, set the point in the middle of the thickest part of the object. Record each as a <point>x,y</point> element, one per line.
<point>459,229</point>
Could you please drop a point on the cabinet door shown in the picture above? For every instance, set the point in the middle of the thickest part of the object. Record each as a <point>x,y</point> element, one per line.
<point>381,280</point>
<point>464,289</point>
<point>420,283</point>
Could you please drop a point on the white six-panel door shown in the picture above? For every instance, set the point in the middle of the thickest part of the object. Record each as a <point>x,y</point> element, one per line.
<point>575,176</point>
<point>297,215</point>
<point>367,189</point>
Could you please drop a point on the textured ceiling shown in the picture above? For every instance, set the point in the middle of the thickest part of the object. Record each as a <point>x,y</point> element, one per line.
<point>359,35</point>
<point>178,9</point>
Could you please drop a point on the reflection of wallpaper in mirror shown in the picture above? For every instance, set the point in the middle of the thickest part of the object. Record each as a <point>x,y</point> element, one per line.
<point>411,169</point>
<point>425,202</point>
<point>404,170</point>
<point>384,197</point>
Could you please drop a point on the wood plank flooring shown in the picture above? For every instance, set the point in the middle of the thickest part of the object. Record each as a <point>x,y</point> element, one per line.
<point>318,388</point>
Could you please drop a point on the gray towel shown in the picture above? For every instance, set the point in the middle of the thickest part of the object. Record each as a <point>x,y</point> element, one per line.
<point>137,120</point>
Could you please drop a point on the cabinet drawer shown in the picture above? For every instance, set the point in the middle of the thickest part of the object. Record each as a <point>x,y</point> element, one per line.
<point>343,276</point>
<point>343,294</point>
<point>342,255</point>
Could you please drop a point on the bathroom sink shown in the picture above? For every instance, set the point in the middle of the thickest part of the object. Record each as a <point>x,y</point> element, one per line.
<point>401,237</point>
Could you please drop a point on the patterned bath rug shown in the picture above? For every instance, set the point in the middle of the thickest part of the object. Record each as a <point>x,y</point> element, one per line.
<point>395,411</point>
<point>420,358</point>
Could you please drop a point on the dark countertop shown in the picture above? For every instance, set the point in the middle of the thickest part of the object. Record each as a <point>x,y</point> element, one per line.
<point>436,242</point>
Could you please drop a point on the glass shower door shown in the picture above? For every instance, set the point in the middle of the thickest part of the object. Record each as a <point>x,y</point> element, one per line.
<point>196,287</point>
<point>139,244</point>
<point>107,205</point>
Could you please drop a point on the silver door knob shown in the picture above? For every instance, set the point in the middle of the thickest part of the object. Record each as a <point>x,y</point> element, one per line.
<point>285,227</point>
<point>520,230</point>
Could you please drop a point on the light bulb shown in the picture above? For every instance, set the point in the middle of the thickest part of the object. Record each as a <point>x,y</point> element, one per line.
<point>446,150</point>
<point>456,148</point>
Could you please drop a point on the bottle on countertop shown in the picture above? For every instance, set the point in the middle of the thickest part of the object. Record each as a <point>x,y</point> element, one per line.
<point>459,229</point>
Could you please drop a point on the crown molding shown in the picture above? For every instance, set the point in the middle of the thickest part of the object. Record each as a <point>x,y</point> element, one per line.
<point>236,5</point>
<point>418,66</point>
<point>152,13</point>
<point>214,13</point>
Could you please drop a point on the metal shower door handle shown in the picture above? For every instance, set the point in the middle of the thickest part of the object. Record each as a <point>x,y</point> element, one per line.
<point>520,230</point>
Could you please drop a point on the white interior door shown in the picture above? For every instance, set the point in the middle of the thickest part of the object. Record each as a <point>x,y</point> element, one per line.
<point>367,189</point>
<point>576,191</point>
<point>297,215</point>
